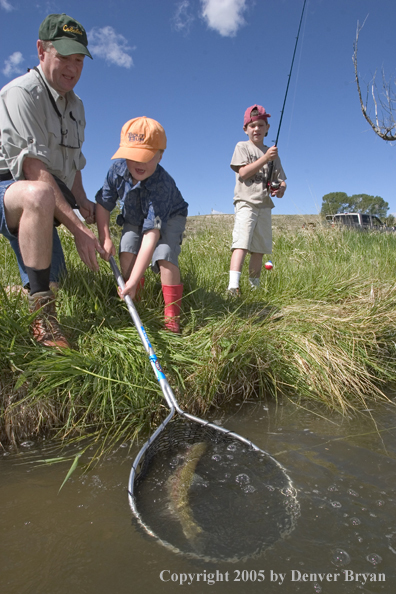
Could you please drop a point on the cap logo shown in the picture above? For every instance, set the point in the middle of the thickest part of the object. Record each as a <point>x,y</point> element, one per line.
<point>132,137</point>
<point>72,30</point>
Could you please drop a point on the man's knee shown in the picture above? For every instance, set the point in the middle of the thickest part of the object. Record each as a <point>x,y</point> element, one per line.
<point>29,195</point>
<point>39,196</point>
<point>28,198</point>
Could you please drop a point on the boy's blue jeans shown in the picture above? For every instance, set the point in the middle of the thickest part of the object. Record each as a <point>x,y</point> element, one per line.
<point>58,264</point>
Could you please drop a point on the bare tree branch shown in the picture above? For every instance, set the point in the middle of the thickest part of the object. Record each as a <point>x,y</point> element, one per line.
<point>384,106</point>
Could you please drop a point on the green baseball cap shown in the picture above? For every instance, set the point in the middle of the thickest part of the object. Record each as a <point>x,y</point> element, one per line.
<point>67,35</point>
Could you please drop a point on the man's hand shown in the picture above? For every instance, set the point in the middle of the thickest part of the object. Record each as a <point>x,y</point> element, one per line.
<point>87,245</point>
<point>87,210</point>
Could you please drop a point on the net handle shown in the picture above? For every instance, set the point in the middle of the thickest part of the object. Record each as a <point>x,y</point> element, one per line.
<point>165,387</point>
<point>155,364</point>
<point>166,390</point>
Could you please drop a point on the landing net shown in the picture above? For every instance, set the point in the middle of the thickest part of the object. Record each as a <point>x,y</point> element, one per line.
<point>212,495</point>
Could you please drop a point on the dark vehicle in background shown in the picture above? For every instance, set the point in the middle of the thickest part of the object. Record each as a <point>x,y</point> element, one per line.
<point>358,221</point>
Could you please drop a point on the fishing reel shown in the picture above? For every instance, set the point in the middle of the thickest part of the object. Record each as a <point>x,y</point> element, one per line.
<point>273,186</point>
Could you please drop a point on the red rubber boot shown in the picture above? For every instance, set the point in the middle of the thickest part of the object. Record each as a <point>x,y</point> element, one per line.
<point>172,297</point>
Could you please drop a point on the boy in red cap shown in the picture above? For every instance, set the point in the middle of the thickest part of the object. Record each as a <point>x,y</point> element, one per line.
<point>252,232</point>
<point>153,214</point>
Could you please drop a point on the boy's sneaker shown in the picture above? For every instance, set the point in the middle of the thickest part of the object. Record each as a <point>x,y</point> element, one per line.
<point>254,283</point>
<point>45,326</point>
<point>234,293</point>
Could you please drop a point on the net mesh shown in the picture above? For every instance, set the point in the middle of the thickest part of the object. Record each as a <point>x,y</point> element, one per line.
<point>208,494</point>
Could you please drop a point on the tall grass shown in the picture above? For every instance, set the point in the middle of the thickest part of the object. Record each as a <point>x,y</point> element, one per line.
<point>322,328</point>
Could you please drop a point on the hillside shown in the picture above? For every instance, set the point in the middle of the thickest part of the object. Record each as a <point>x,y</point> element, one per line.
<point>284,222</point>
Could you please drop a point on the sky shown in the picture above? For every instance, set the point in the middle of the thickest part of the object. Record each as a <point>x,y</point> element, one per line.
<point>196,65</point>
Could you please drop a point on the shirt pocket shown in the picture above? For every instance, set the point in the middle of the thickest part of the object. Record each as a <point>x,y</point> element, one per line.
<point>53,152</point>
<point>54,127</point>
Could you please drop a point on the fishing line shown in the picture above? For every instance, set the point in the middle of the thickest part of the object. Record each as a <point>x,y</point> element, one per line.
<point>296,85</point>
<point>290,73</point>
<point>270,184</point>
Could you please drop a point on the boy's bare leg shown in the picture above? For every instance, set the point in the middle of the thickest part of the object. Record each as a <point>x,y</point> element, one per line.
<point>236,264</point>
<point>255,265</point>
<point>237,259</point>
<point>170,274</point>
<point>127,262</point>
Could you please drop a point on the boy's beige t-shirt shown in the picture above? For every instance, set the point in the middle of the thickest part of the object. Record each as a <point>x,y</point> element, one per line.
<point>254,190</point>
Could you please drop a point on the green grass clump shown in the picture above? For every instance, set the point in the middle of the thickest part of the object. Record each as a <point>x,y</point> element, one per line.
<point>322,327</point>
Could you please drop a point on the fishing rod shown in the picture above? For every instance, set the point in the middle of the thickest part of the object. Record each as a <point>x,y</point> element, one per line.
<point>275,185</point>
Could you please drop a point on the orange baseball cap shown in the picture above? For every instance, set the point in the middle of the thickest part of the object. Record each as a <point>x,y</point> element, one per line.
<point>141,139</point>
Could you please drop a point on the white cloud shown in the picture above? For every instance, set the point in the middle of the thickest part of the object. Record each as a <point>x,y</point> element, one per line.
<point>111,46</point>
<point>6,5</point>
<point>13,64</point>
<point>224,16</point>
<point>183,17</point>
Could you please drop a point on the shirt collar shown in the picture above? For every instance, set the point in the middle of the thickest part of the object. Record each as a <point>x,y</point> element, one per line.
<point>69,96</point>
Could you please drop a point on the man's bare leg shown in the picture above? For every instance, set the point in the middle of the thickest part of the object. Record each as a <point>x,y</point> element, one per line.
<point>29,210</point>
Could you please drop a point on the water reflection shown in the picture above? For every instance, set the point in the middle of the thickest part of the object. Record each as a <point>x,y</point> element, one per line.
<point>82,540</point>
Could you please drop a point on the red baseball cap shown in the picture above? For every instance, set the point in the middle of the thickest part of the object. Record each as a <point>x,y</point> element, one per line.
<point>260,115</point>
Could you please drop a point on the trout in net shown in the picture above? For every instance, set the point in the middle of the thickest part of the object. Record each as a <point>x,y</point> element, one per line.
<point>178,487</point>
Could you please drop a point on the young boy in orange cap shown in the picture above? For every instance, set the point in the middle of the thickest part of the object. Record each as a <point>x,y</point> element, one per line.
<point>251,162</point>
<point>153,214</point>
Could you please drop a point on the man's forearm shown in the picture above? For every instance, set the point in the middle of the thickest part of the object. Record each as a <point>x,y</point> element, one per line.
<point>78,189</point>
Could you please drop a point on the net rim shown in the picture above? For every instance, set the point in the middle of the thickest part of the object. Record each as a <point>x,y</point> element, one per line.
<point>293,492</point>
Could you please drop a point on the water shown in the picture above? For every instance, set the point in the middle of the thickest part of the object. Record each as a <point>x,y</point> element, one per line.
<point>83,540</point>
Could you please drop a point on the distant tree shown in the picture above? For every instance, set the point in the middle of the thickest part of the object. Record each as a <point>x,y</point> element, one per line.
<point>333,203</point>
<point>390,221</point>
<point>384,103</point>
<point>337,202</point>
<point>374,205</point>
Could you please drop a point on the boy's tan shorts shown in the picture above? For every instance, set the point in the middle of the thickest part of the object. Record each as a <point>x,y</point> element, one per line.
<point>252,229</point>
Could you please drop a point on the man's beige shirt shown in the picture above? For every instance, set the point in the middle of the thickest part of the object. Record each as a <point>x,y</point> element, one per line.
<point>30,127</point>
